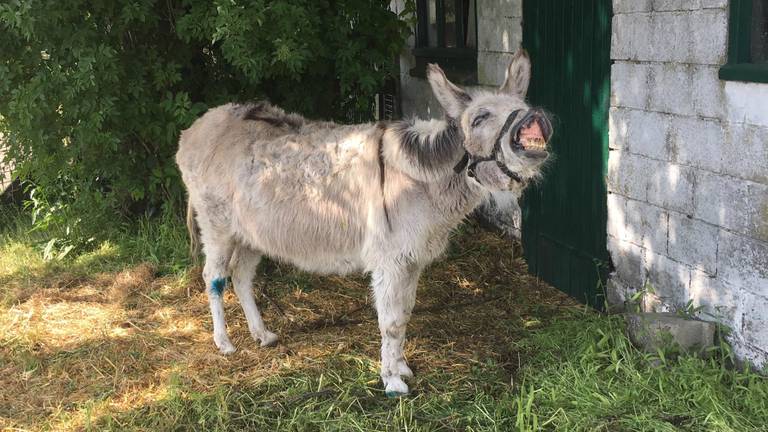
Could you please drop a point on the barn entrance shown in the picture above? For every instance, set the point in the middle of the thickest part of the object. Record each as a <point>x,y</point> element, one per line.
<point>564,217</point>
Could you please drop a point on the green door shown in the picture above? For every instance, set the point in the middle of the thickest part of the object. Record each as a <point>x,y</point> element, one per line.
<point>564,217</point>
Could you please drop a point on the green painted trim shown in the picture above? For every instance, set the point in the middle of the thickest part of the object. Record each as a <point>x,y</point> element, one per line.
<point>461,68</point>
<point>750,72</point>
<point>739,36</point>
<point>740,66</point>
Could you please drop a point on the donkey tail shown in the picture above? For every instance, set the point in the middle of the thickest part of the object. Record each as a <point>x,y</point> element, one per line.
<point>194,233</point>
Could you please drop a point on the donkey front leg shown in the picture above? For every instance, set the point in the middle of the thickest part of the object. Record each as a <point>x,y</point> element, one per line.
<point>215,273</point>
<point>244,263</point>
<point>395,294</point>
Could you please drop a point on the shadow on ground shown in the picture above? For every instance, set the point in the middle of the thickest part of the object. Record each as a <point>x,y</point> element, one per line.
<point>110,348</point>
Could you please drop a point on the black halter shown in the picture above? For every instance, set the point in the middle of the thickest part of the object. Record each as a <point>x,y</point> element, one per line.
<point>470,161</point>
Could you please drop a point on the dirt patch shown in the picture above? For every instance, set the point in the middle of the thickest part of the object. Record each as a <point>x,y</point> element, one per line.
<point>122,338</point>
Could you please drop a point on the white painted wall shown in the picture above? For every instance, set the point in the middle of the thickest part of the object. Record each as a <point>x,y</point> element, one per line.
<point>688,169</point>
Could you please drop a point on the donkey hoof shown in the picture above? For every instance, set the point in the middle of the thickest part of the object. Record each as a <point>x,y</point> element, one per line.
<point>404,370</point>
<point>395,387</point>
<point>227,348</point>
<point>269,339</point>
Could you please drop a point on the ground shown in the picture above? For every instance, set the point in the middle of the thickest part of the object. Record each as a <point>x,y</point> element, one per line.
<point>119,338</point>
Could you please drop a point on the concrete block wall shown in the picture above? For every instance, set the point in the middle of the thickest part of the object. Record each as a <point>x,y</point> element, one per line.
<point>688,169</point>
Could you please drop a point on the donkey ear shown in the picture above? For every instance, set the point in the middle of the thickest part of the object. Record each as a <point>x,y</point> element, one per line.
<point>518,74</point>
<point>453,99</point>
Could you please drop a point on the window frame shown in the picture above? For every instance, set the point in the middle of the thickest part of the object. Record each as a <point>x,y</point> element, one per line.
<point>460,62</point>
<point>740,66</point>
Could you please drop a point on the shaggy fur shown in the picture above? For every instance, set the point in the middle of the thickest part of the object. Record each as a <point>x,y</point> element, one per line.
<point>329,198</point>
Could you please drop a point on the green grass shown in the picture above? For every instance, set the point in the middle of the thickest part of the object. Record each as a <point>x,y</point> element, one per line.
<point>580,374</point>
<point>521,361</point>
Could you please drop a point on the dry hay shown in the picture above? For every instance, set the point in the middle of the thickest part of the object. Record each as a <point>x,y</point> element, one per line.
<point>122,338</point>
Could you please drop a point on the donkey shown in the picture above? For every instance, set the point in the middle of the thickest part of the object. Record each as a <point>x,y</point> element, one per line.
<point>379,198</point>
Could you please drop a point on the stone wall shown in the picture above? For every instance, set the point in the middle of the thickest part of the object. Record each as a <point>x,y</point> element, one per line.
<point>688,169</point>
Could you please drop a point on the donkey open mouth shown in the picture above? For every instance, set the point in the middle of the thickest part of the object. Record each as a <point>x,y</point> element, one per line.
<point>377,198</point>
<point>534,132</point>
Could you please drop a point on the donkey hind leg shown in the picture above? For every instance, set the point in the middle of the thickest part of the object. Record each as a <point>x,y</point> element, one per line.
<point>395,294</point>
<point>243,265</point>
<point>215,273</point>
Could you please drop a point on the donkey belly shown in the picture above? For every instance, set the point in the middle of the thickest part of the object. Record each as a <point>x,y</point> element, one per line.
<point>314,233</point>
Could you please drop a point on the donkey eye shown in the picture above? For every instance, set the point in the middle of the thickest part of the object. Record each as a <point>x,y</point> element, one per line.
<point>480,118</point>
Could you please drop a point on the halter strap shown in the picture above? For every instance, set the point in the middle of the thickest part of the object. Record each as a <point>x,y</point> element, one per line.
<point>470,161</point>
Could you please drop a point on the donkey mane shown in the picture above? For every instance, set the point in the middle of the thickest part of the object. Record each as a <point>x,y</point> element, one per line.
<point>268,113</point>
<point>429,150</point>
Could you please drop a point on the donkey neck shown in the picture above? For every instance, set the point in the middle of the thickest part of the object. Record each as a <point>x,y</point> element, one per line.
<point>429,149</point>
<point>456,196</point>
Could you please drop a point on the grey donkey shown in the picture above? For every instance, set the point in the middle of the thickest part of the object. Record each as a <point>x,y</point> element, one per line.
<point>380,198</point>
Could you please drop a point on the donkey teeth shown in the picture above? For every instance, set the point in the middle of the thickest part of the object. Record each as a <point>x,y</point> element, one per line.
<point>535,144</point>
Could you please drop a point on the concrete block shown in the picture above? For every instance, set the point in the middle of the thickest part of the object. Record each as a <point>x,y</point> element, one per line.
<point>616,225</point>
<point>500,34</point>
<point>618,128</point>
<point>732,203</point>
<point>670,89</point>
<point>745,152</point>
<point>628,174</point>
<point>629,85</point>
<point>629,37</point>
<point>669,279</point>
<point>621,39</point>
<point>671,186</point>
<point>617,294</point>
<point>628,260</point>
<point>647,226</point>
<point>746,102</point>
<point>669,39</point>
<point>693,242</point>
<point>756,319</point>
<point>499,8</point>
<point>697,142</point>
<point>638,223</point>
<point>719,300</point>
<point>709,36</point>
<point>714,4</point>
<point>708,92</point>
<point>492,67</point>
<point>743,262</point>
<point>629,6</point>
<point>647,134</point>
<point>757,357</point>
<point>658,331</point>
<point>676,5</point>
<point>418,100</point>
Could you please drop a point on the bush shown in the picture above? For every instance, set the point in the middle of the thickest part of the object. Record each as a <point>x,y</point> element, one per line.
<point>93,95</point>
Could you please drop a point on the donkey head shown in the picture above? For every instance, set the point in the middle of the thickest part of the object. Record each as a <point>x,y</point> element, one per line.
<point>505,139</point>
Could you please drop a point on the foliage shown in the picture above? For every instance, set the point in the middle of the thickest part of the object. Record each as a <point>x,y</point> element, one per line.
<point>94,94</point>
